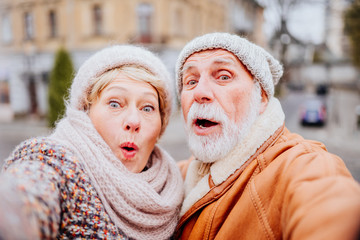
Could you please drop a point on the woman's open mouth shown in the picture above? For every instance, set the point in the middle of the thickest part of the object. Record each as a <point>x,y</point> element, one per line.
<point>129,149</point>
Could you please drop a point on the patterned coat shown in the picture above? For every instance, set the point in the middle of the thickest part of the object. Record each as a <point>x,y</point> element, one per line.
<point>53,190</point>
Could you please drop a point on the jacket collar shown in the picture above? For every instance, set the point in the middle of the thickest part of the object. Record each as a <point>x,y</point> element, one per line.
<point>197,184</point>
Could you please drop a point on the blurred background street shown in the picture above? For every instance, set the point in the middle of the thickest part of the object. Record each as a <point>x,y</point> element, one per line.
<point>174,138</point>
<point>315,40</point>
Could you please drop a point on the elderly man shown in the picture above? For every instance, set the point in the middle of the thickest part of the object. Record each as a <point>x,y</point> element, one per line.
<point>250,177</point>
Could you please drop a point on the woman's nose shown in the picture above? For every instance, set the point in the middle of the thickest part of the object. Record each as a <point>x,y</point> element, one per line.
<point>203,92</point>
<point>132,121</point>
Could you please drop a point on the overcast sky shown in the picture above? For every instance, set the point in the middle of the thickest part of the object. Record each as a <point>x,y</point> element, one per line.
<point>306,22</point>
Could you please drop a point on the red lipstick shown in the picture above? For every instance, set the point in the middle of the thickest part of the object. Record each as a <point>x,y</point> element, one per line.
<point>129,149</point>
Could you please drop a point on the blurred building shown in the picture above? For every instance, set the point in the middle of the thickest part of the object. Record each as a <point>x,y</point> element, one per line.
<point>342,76</point>
<point>328,66</point>
<point>336,40</point>
<point>31,31</point>
<point>247,19</point>
<point>325,63</point>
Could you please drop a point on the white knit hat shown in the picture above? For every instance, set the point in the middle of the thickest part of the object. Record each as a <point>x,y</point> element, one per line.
<point>110,58</point>
<point>264,67</point>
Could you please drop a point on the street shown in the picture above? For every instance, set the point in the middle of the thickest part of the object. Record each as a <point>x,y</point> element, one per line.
<point>174,139</point>
<point>337,141</point>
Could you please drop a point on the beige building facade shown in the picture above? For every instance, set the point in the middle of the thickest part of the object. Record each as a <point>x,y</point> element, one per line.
<point>31,31</point>
<point>44,25</point>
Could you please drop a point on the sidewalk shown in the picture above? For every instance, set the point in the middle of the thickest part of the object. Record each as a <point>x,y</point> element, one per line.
<point>12,133</point>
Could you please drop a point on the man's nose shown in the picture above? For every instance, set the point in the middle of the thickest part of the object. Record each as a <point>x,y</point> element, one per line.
<point>132,121</point>
<point>203,92</point>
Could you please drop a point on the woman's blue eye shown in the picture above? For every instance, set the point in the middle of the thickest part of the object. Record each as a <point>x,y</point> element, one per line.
<point>224,77</point>
<point>191,82</point>
<point>114,104</point>
<point>148,109</point>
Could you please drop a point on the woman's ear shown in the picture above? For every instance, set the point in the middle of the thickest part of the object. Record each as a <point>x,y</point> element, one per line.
<point>264,101</point>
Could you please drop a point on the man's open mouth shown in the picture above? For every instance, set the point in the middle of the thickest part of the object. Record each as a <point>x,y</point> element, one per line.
<point>204,123</point>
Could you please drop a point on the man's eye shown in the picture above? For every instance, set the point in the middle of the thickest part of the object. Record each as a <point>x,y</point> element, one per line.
<point>224,77</point>
<point>148,109</point>
<point>114,104</point>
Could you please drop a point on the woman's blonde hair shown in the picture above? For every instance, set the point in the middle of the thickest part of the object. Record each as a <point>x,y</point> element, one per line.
<point>136,73</point>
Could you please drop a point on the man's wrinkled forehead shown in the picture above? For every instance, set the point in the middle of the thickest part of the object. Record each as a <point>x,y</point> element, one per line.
<point>214,57</point>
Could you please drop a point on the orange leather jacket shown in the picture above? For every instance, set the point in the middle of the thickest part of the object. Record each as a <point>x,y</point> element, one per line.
<point>290,188</point>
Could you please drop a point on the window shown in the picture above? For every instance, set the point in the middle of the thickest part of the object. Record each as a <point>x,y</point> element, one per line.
<point>145,12</point>
<point>4,92</point>
<point>6,31</point>
<point>29,26</point>
<point>52,24</point>
<point>97,18</point>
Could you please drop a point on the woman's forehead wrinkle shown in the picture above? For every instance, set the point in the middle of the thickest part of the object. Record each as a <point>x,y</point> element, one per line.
<point>187,67</point>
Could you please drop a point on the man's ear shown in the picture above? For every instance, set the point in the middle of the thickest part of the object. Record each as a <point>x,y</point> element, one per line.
<point>264,101</point>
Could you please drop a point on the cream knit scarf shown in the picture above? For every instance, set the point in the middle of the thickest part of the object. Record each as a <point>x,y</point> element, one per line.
<point>143,205</point>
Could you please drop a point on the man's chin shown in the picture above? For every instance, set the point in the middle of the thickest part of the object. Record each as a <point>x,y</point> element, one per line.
<point>209,148</point>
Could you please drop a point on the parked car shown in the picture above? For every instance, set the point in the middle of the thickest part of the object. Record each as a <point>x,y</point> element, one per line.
<point>313,112</point>
<point>322,89</point>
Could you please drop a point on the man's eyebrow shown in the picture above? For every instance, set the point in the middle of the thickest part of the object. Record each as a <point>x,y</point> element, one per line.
<point>216,61</point>
<point>224,61</point>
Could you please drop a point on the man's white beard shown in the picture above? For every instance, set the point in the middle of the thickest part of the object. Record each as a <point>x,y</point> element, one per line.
<point>213,147</point>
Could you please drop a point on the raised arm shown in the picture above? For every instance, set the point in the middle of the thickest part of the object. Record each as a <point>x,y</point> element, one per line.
<point>29,198</point>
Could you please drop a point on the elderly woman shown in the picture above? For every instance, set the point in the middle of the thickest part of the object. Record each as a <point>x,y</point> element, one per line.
<point>100,174</point>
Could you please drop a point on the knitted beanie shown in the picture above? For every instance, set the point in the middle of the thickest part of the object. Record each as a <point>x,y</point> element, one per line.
<point>113,57</point>
<point>264,68</point>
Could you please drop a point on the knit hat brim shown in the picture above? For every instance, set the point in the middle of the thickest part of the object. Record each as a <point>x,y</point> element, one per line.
<point>264,67</point>
<point>110,58</point>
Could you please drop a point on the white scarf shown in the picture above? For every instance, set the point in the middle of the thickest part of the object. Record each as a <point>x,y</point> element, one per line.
<point>143,205</point>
